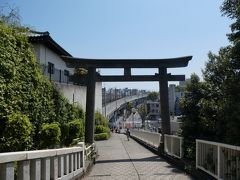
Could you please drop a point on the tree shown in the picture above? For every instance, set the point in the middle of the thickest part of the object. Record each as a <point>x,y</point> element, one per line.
<point>142,110</point>
<point>191,111</point>
<point>231,84</point>
<point>153,96</point>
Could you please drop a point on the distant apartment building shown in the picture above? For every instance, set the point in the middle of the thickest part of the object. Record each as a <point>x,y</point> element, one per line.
<point>49,54</point>
<point>174,96</point>
<point>153,110</point>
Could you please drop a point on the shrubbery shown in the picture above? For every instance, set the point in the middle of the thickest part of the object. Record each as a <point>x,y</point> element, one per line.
<point>102,131</point>
<point>102,136</point>
<point>76,130</point>
<point>50,135</point>
<point>100,119</point>
<point>17,133</point>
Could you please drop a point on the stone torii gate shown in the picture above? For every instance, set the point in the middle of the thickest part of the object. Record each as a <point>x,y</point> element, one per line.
<point>92,77</point>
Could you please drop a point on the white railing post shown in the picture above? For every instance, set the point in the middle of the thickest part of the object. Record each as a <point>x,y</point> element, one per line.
<point>54,168</point>
<point>60,166</point>
<point>66,164</point>
<point>71,163</point>
<point>218,161</point>
<point>45,168</point>
<point>75,161</point>
<point>35,167</point>
<point>197,153</point>
<point>171,145</point>
<point>7,171</point>
<point>23,170</point>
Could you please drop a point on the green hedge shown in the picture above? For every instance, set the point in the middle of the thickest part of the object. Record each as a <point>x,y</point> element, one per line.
<point>76,130</point>
<point>17,133</point>
<point>101,129</point>
<point>100,119</point>
<point>50,135</point>
<point>102,136</point>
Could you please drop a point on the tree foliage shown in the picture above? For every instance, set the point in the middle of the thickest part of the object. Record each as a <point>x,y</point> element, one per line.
<point>153,96</point>
<point>191,109</point>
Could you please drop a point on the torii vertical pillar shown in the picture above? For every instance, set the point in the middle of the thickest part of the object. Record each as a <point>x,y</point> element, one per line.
<point>164,104</point>
<point>90,106</point>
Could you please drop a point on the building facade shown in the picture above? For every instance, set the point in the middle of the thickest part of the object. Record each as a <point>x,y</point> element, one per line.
<point>48,53</point>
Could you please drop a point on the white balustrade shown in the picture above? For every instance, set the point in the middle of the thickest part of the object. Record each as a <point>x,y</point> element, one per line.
<point>150,138</point>
<point>173,145</point>
<point>64,163</point>
<point>221,161</point>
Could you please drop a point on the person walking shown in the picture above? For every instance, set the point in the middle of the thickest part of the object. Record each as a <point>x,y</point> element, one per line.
<point>128,134</point>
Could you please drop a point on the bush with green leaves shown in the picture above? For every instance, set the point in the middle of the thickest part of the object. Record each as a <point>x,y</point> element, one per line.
<point>100,119</point>
<point>76,130</point>
<point>50,134</point>
<point>17,133</point>
<point>101,129</point>
<point>101,136</point>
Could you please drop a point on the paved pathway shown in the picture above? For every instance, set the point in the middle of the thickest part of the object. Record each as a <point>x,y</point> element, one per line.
<point>128,160</point>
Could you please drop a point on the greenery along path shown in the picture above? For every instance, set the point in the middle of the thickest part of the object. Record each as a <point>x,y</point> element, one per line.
<point>122,159</point>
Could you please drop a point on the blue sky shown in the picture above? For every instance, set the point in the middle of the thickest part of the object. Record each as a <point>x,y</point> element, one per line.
<point>131,29</point>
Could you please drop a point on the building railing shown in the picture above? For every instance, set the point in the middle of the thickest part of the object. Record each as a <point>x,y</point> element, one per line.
<point>64,163</point>
<point>221,161</point>
<point>173,145</point>
<point>150,138</point>
<point>56,75</point>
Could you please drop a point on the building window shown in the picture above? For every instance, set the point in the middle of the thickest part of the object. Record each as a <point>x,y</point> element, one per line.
<point>50,68</point>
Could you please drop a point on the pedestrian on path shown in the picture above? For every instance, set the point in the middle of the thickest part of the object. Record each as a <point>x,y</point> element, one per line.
<point>128,134</point>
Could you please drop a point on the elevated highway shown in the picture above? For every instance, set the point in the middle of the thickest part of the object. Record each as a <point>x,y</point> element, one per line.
<point>111,107</point>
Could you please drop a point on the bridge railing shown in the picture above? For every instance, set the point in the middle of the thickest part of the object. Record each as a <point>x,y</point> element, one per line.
<point>150,138</point>
<point>64,163</point>
<point>221,161</point>
<point>173,145</point>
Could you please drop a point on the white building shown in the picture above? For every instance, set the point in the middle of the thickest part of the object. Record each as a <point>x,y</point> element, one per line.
<point>49,53</point>
<point>153,109</point>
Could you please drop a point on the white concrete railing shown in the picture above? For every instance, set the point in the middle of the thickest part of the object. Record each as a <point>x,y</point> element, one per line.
<point>150,138</point>
<point>64,163</point>
<point>173,145</point>
<point>221,161</point>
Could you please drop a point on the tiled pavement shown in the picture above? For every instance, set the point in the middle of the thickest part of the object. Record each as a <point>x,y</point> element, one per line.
<point>128,160</point>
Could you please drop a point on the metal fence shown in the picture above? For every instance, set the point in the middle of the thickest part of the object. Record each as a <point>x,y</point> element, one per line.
<point>221,161</point>
<point>150,138</point>
<point>173,145</point>
<point>57,75</point>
